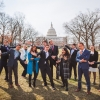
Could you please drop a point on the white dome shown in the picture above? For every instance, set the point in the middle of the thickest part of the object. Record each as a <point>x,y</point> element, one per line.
<point>51,31</point>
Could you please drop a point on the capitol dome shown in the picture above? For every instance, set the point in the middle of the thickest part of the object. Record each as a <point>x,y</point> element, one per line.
<point>51,31</point>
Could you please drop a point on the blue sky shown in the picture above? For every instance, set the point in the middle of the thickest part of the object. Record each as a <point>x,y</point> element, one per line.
<point>40,13</point>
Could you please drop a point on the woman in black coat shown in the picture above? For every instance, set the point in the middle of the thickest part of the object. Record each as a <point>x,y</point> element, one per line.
<point>92,64</point>
<point>63,70</point>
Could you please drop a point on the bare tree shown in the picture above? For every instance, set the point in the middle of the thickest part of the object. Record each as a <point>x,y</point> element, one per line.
<point>4,23</point>
<point>16,27</point>
<point>85,27</point>
<point>28,33</point>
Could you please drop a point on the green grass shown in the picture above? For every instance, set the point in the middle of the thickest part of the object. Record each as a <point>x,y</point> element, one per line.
<point>46,93</point>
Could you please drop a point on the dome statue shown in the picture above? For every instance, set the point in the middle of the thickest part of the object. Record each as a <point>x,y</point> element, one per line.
<point>51,31</point>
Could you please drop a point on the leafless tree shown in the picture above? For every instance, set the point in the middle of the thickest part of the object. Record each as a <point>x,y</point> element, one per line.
<point>4,23</point>
<point>28,34</point>
<point>16,27</point>
<point>85,27</point>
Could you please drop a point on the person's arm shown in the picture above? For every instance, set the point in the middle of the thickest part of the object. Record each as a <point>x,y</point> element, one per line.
<point>12,47</point>
<point>68,47</point>
<point>87,56</point>
<point>39,47</point>
<point>30,57</point>
<point>97,62</point>
<point>96,57</point>
<point>6,53</point>
<point>0,47</point>
<point>78,57</point>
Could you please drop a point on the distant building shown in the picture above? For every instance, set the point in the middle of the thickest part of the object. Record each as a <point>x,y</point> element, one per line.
<point>51,34</point>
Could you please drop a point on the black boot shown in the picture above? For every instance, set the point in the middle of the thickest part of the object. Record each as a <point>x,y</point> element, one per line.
<point>66,89</point>
<point>30,84</point>
<point>45,83</point>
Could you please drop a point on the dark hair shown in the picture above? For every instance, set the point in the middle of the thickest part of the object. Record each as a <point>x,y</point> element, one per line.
<point>33,47</point>
<point>74,44</point>
<point>46,45</point>
<point>66,52</point>
<point>50,40</point>
<point>81,43</point>
<point>18,45</point>
<point>45,41</point>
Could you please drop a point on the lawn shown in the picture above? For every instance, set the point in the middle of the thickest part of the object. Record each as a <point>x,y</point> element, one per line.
<point>45,93</point>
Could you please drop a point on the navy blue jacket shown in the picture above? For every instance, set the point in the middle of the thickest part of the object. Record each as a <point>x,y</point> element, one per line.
<point>85,55</point>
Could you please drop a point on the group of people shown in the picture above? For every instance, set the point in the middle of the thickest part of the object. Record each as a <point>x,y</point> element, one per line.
<point>45,58</point>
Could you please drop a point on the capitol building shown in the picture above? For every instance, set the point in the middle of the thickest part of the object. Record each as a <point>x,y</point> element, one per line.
<point>51,34</point>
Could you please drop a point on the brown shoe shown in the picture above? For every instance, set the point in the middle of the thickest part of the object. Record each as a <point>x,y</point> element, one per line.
<point>88,92</point>
<point>11,86</point>
<point>77,90</point>
<point>17,85</point>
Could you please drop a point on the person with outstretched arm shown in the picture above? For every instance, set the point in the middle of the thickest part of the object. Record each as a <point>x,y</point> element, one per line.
<point>14,56</point>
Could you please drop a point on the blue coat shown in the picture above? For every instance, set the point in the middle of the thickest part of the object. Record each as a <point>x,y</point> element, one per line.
<point>85,55</point>
<point>30,66</point>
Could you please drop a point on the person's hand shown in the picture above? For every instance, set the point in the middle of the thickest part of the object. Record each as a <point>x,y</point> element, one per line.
<point>39,56</point>
<point>53,57</point>
<point>25,62</point>
<point>80,52</point>
<point>32,58</point>
<point>34,54</point>
<point>92,62</point>
<point>65,57</point>
<point>89,62</point>
<point>58,61</point>
<point>83,60</point>
<point>0,52</point>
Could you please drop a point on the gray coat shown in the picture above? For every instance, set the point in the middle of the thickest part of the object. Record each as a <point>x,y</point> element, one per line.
<point>11,60</point>
<point>63,67</point>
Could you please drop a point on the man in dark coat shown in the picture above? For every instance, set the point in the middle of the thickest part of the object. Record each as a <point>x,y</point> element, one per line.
<point>54,54</point>
<point>4,48</point>
<point>73,63</point>
<point>44,66</point>
<point>14,56</point>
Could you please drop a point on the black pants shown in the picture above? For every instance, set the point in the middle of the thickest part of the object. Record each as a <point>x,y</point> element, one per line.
<point>4,64</point>
<point>15,70</point>
<point>51,66</point>
<point>73,65</point>
<point>35,77</point>
<point>64,81</point>
<point>46,70</point>
<point>25,68</point>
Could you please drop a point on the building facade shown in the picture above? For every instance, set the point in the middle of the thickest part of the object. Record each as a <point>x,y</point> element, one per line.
<point>51,35</point>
